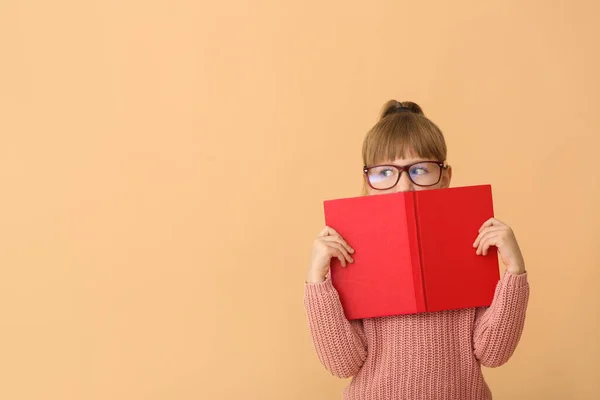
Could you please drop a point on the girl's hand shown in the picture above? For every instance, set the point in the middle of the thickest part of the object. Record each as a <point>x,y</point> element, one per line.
<point>327,245</point>
<point>497,233</point>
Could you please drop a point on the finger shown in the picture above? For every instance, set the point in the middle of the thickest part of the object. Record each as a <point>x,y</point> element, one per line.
<point>486,242</point>
<point>486,224</point>
<point>496,230</point>
<point>490,222</point>
<point>487,247</point>
<point>328,231</point>
<point>485,231</point>
<point>484,239</point>
<point>339,255</point>
<point>341,249</point>
<point>481,245</point>
<point>324,232</point>
<point>340,240</point>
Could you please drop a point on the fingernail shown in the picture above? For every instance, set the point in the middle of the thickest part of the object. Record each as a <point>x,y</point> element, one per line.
<point>351,250</point>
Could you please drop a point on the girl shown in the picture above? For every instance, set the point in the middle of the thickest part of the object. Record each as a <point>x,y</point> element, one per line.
<point>422,356</point>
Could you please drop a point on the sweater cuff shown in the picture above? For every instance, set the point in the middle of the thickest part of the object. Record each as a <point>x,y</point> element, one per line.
<point>319,289</point>
<point>514,280</point>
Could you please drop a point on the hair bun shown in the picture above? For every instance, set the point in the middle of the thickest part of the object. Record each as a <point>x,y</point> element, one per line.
<point>394,107</point>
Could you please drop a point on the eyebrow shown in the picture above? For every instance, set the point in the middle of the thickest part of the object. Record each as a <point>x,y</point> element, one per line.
<point>414,161</point>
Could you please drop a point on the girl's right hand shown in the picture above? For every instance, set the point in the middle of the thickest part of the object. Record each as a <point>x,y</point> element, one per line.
<point>327,245</point>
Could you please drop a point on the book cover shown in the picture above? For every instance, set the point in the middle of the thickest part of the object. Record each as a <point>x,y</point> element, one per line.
<point>413,251</point>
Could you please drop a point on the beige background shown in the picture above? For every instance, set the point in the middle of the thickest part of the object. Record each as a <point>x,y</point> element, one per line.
<point>163,165</point>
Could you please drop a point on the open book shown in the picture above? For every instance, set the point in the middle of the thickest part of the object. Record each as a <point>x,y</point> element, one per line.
<point>413,251</point>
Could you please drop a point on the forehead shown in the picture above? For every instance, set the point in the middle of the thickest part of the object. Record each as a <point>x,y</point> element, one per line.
<point>407,159</point>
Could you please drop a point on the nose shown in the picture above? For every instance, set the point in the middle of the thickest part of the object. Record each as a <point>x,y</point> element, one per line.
<point>404,184</point>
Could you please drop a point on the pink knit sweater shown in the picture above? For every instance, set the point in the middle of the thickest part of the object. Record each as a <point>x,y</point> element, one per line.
<point>422,356</point>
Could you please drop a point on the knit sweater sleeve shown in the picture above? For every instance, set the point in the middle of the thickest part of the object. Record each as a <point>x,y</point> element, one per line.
<point>340,344</point>
<point>498,328</point>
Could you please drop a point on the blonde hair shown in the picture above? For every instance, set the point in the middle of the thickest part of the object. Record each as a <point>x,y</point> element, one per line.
<point>403,131</point>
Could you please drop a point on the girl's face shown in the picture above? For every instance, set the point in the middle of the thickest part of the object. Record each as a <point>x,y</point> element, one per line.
<point>407,174</point>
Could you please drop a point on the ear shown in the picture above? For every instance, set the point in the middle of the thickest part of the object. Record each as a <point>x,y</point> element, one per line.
<point>446,177</point>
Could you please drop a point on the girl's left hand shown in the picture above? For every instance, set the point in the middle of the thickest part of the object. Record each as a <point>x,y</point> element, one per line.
<point>497,233</point>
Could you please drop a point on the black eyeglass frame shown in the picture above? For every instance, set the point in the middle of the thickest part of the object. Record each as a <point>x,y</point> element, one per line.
<point>401,168</point>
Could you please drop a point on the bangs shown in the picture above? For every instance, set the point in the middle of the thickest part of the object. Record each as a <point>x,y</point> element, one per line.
<point>403,135</point>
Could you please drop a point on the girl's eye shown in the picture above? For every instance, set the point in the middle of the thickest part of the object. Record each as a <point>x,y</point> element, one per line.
<point>382,174</point>
<point>418,170</point>
<point>387,172</point>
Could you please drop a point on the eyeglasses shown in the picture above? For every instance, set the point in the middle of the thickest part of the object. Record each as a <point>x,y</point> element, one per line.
<point>386,176</point>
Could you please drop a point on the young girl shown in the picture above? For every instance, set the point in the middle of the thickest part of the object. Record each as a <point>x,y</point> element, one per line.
<point>421,356</point>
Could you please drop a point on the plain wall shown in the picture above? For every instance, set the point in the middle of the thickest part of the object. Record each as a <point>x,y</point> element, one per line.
<point>163,166</point>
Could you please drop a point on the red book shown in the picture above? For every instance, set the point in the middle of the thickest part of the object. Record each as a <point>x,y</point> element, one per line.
<point>413,251</point>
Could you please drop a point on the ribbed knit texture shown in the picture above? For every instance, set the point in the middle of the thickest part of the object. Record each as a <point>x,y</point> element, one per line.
<point>427,356</point>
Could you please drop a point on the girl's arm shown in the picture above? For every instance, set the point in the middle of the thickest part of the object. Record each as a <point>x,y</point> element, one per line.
<point>498,328</point>
<point>339,343</point>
